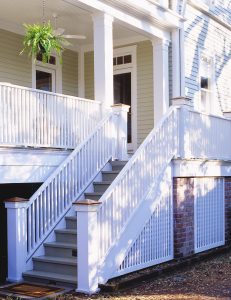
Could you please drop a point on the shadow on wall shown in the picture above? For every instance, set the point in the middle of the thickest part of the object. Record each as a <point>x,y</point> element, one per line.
<point>23,190</point>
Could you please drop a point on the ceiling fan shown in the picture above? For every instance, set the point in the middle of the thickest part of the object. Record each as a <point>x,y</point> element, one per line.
<point>60,31</point>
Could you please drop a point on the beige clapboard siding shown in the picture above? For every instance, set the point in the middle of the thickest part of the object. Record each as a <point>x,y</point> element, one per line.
<point>14,68</point>
<point>70,73</point>
<point>89,75</point>
<point>145,118</point>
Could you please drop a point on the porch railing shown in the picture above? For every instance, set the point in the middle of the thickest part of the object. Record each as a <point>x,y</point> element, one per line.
<point>54,198</point>
<point>35,118</point>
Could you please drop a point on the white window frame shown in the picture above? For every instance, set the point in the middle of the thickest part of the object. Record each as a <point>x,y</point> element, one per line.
<point>49,68</point>
<point>125,68</point>
<point>210,105</point>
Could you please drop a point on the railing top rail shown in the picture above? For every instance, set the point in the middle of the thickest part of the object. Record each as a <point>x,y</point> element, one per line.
<point>134,157</point>
<point>65,162</point>
<point>208,114</point>
<point>48,93</point>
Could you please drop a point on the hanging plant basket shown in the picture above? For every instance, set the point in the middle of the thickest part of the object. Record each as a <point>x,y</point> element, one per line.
<point>41,40</point>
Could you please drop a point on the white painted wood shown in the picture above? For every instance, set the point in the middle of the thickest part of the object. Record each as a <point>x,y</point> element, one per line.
<point>201,168</point>
<point>69,181</point>
<point>103,58</point>
<point>160,79</point>
<point>17,239</point>
<point>209,213</point>
<point>30,117</point>
<point>128,192</point>
<point>121,116</point>
<point>176,71</point>
<point>87,241</point>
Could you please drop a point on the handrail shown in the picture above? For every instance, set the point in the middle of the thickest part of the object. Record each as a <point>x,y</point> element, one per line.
<point>54,198</point>
<point>36,118</point>
<point>133,183</point>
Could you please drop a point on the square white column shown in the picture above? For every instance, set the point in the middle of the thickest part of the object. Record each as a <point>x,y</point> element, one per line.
<point>160,78</point>
<point>103,58</point>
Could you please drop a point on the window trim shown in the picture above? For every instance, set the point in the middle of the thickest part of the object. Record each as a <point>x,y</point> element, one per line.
<point>57,68</point>
<point>211,90</point>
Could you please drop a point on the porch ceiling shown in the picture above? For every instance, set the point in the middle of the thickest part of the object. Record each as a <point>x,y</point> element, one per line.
<point>74,20</point>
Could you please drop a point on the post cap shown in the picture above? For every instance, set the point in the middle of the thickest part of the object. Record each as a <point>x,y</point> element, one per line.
<point>86,202</point>
<point>16,199</point>
<point>182,101</point>
<point>120,107</point>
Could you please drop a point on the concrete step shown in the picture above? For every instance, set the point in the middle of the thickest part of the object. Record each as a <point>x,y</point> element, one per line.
<point>71,222</point>
<point>66,235</point>
<point>117,165</point>
<point>93,196</point>
<point>60,265</point>
<point>50,278</point>
<point>60,249</point>
<point>109,175</point>
<point>101,187</point>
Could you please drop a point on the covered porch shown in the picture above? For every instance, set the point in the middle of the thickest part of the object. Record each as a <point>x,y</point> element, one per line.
<point>125,58</point>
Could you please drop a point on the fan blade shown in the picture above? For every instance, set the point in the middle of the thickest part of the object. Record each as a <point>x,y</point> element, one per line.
<point>74,36</point>
<point>59,31</point>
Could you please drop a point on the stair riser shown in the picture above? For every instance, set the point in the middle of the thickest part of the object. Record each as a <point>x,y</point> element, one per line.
<point>117,168</point>
<point>50,281</point>
<point>66,238</point>
<point>56,268</point>
<point>100,188</point>
<point>109,177</point>
<point>71,224</point>
<point>60,252</point>
<point>93,197</point>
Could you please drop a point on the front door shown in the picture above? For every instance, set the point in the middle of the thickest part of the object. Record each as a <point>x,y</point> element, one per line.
<point>123,94</point>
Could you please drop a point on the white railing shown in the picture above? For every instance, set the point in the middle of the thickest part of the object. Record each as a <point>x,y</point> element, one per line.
<point>204,136</point>
<point>55,197</point>
<point>133,184</point>
<point>209,213</point>
<point>35,118</point>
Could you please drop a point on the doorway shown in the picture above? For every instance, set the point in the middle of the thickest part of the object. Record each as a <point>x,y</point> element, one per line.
<point>45,79</point>
<point>124,63</point>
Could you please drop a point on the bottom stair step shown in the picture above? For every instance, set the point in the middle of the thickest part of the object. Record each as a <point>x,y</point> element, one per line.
<point>48,277</point>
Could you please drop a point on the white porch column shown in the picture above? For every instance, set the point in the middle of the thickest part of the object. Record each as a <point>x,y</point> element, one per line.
<point>16,237</point>
<point>87,244</point>
<point>103,58</point>
<point>160,78</point>
<point>176,64</point>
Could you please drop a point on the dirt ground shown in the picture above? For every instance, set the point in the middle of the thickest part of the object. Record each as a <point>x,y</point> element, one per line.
<point>204,280</point>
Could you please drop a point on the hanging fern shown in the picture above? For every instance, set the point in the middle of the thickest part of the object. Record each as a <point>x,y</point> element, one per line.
<point>40,39</point>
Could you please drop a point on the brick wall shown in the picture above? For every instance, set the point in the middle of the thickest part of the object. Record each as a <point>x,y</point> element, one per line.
<point>183,199</point>
<point>228,210</point>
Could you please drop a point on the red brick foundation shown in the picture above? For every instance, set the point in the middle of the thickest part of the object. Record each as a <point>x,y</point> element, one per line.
<point>228,210</point>
<point>183,201</point>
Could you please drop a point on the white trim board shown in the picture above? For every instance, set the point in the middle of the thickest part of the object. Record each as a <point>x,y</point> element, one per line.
<point>201,168</point>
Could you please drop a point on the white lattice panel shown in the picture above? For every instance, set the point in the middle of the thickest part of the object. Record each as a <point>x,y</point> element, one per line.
<point>209,213</point>
<point>154,245</point>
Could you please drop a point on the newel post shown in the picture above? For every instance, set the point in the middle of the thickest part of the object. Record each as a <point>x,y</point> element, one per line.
<point>227,114</point>
<point>185,106</point>
<point>121,113</point>
<point>16,237</point>
<point>87,245</point>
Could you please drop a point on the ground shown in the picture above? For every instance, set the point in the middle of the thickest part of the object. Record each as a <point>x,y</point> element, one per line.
<point>205,280</point>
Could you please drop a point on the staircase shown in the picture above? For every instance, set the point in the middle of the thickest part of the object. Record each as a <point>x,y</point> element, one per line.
<point>59,264</point>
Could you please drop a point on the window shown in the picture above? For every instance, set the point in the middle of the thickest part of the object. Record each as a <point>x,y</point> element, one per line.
<point>206,84</point>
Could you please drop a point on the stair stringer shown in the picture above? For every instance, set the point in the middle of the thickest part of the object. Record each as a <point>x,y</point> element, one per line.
<point>110,266</point>
<point>70,212</point>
